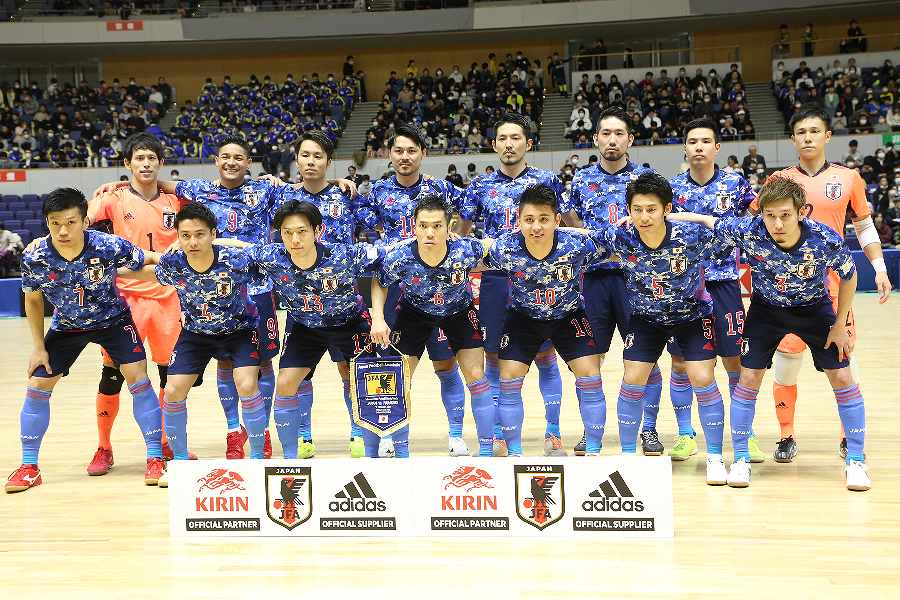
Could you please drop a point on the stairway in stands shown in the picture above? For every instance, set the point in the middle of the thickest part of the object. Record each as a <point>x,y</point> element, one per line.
<point>554,119</point>
<point>354,137</point>
<point>764,113</point>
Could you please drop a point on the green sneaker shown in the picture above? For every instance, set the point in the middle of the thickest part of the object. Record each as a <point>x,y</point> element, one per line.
<point>306,449</point>
<point>756,455</point>
<point>357,447</point>
<point>684,448</point>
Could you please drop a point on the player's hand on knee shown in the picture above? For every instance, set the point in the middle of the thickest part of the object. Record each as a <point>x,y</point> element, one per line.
<point>883,284</point>
<point>380,333</point>
<point>37,359</point>
<point>840,337</point>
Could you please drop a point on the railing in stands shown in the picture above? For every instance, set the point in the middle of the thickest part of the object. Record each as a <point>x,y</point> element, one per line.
<point>796,48</point>
<point>660,57</point>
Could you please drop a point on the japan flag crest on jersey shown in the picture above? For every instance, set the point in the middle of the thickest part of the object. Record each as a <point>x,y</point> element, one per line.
<point>168,219</point>
<point>251,198</point>
<point>834,190</point>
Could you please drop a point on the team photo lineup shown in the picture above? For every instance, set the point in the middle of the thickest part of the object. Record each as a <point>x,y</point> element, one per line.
<point>184,272</point>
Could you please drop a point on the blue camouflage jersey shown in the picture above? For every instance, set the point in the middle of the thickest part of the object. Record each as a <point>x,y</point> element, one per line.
<point>725,194</point>
<point>215,301</point>
<point>546,288</point>
<point>325,295</point>
<point>83,290</point>
<point>441,290</point>
<point>495,198</point>
<point>340,214</point>
<point>391,205</point>
<point>664,284</point>
<point>244,213</point>
<point>793,277</point>
<point>598,197</point>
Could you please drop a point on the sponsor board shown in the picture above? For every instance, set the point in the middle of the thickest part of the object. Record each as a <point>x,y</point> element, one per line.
<point>468,496</point>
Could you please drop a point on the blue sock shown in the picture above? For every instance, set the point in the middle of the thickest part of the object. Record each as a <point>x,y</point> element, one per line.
<point>628,410</point>
<point>267,386</point>
<point>485,414</point>
<point>401,443</point>
<point>305,401</point>
<point>743,409</point>
<point>287,422</point>
<point>228,396</point>
<point>371,442</point>
<point>733,378</point>
<point>650,401</point>
<point>355,430</point>
<point>145,405</point>
<point>592,404</point>
<point>253,409</point>
<point>712,416</point>
<point>550,384</point>
<point>682,396</point>
<point>512,413</point>
<point>852,411</point>
<point>492,374</point>
<point>453,394</point>
<point>175,414</point>
<point>34,421</point>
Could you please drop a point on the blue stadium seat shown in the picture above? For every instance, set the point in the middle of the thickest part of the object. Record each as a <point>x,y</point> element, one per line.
<point>32,199</point>
<point>13,224</point>
<point>35,226</point>
<point>15,206</point>
<point>6,215</point>
<point>26,235</point>
<point>11,198</point>
<point>25,213</point>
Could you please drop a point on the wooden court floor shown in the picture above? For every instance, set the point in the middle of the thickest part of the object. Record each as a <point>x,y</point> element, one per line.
<point>796,533</point>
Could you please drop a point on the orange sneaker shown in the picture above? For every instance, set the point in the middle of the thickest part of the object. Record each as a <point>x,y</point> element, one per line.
<point>234,444</point>
<point>169,454</point>
<point>155,468</point>
<point>26,476</point>
<point>101,463</point>
<point>267,446</point>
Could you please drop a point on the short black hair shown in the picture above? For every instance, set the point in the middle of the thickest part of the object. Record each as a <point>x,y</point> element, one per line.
<point>431,202</point>
<point>410,132</point>
<point>810,111</point>
<point>237,140</point>
<point>701,124</point>
<point>650,184</point>
<point>143,141</point>
<point>64,198</point>
<point>514,119</point>
<point>196,211</point>
<point>616,112</point>
<point>298,207</point>
<point>318,136</point>
<point>539,195</point>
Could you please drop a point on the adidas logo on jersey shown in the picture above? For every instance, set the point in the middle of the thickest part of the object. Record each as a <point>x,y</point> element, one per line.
<point>612,495</point>
<point>357,495</point>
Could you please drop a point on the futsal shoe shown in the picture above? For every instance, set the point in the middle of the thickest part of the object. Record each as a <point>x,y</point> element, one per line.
<point>756,455</point>
<point>856,473</point>
<point>786,450</point>
<point>716,473</point>
<point>581,446</point>
<point>234,444</point>
<point>101,463</point>
<point>163,480</point>
<point>26,476</point>
<point>500,449</point>
<point>650,444</point>
<point>267,445</point>
<point>357,447</point>
<point>155,468</point>
<point>169,454</point>
<point>553,446</point>
<point>684,448</point>
<point>305,448</point>
<point>739,475</point>
<point>457,447</point>
<point>386,447</point>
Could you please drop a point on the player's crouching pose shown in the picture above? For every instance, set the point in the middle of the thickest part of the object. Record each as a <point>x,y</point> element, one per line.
<point>789,255</point>
<point>433,274</point>
<point>75,269</point>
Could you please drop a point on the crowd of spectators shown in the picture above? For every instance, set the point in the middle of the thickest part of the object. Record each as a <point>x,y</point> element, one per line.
<point>855,41</point>
<point>455,109</point>
<point>659,105</point>
<point>881,172</point>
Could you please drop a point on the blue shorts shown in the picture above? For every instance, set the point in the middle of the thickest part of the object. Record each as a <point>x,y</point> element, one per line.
<point>493,300</point>
<point>767,325</point>
<point>645,339</point>
<point>119,338</point>
<point>605,305</point>
<point>193,351</point>
<point>269,343</point>
<point>437,343</point>
<point>305,346</point>
<point>523,336</point>
<point>728,310</point>
<point>411,330</point>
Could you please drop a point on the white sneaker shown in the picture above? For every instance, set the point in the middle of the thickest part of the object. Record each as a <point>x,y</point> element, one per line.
<point>386,447</point>
<point>739,475</point>
<point>163,480</point>
<point>716,473</point>
<point>857,474</point>
<point>458,447</point>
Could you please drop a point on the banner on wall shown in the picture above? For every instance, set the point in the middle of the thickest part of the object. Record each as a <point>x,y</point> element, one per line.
<point>13,175</point>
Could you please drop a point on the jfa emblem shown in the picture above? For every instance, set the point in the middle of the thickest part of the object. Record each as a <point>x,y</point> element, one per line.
<point>223,286</point>
<point>457,277</point>
<point>833,190</point>
<point>289,495</point>
<point>564,272</point>
<point>807,268</point>
<point>335,209</point>
<point>629,340</point>
<point>251,198</point>
<point>745,347</point>
<point>540,498</point>
<point>723,201</point>
<point>329,284</point>
<point>168,220</point>
<point>504,341</point>
<point>678,263</point>
<point>95,273</point>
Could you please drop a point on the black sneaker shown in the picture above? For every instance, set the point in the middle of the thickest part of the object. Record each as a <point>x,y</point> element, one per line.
<point>650,444</point>
<point>786,450</point>
<point>581,446</point>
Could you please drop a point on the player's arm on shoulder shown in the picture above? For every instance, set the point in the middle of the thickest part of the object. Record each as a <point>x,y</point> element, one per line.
<point>689,217</point>
<point>99,206</point>
<point>108,187</point>
<point>347,186</point>
<point>871,245</point>
<point>571,218</point>
<point>231,243</point>
<point>34,311</point>
<point>145,273</point>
